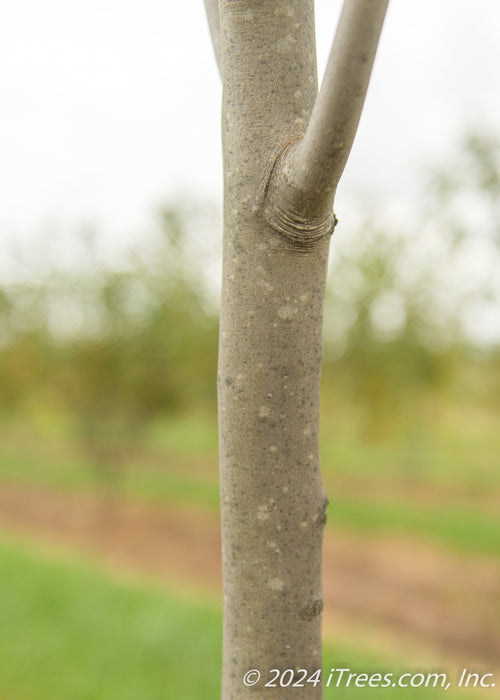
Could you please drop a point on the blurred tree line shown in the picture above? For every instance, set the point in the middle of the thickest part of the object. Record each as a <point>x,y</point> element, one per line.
<point>112,346</point>
<point>413,308</point>
<point>109,347</point>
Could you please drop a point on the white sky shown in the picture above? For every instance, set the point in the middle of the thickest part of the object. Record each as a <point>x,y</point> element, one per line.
<point>111,107</point>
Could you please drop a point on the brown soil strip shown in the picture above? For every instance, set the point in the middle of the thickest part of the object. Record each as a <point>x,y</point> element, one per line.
<point>386,588</point>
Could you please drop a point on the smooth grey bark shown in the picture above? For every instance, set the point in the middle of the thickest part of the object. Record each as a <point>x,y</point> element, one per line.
<point>284,149</point>
<point>213,17</point>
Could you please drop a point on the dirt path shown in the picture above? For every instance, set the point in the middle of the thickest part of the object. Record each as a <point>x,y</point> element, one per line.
<point>393,592</point>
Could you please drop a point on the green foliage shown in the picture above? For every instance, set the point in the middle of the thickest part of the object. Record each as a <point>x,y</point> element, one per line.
<point>412,311</point>
<point>386,352</point>
<point>113,347</point>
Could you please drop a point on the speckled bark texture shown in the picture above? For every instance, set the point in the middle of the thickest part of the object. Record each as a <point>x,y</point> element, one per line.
<point>276,239</point>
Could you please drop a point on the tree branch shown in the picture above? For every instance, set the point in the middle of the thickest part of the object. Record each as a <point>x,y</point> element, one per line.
<point>213,16</point>
<point>314,165</point>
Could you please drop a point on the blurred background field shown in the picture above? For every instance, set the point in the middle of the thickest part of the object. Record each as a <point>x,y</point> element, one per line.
<point>109,449</point>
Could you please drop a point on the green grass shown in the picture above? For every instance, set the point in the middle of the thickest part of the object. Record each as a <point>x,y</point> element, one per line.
<point>464,530</point>
<point>461,460</point>
<point>27,466</point>
<point>195,434</point>
<point>69,631</point>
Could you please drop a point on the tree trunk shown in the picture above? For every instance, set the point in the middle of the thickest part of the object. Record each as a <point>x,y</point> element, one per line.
<point>272,499</point>
<point>278,216</point>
